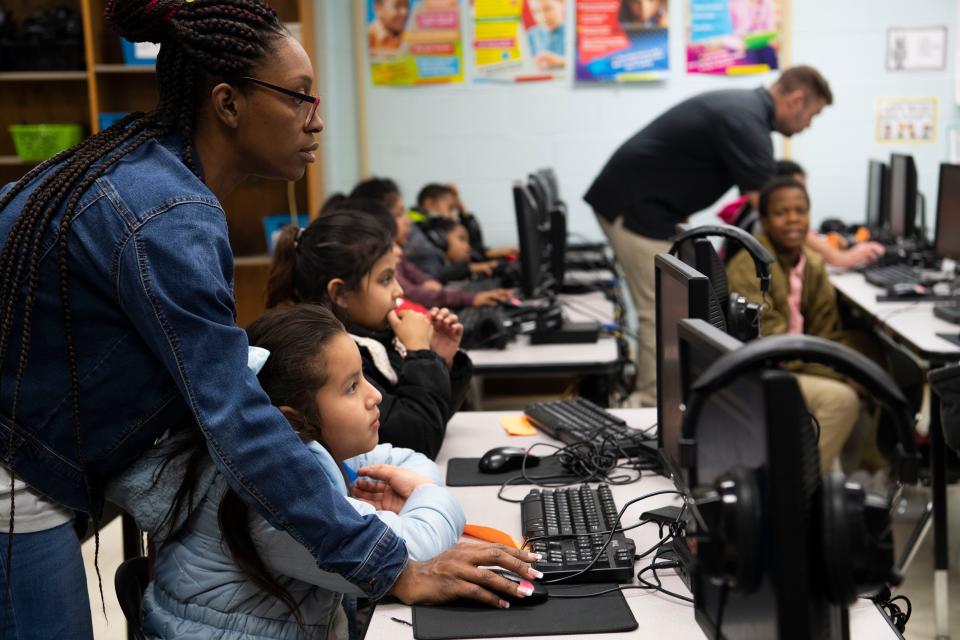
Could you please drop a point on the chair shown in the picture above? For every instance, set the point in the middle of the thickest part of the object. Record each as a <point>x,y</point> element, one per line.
<point>130,581</point>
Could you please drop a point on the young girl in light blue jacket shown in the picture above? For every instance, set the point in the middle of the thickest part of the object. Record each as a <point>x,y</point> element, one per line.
<point>222,571</point>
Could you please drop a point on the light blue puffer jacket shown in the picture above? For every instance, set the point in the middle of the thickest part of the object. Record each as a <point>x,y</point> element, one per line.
<point>199,593</point>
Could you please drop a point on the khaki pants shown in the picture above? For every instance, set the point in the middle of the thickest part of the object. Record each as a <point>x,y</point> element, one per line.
<point>635,254</point>
<point>836,407</point>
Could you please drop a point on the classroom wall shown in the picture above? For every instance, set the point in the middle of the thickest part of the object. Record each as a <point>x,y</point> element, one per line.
<point>483,136</point>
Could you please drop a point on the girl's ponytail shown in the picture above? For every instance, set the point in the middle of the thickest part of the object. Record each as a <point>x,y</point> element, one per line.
<point>281,286</point>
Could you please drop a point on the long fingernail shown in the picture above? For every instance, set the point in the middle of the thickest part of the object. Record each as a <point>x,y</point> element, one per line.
<point>525,589</point>
<point>536,574</point>
<point>504,604</point>
<point>536,556</point>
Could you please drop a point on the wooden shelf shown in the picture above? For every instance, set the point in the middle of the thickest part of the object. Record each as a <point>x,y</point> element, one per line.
<point>15,161</point>
<point>124,68</point>
<point>252,261</point>
<point>31,76</point>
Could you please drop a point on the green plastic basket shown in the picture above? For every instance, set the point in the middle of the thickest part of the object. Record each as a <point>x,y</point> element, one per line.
<point>36,142</point>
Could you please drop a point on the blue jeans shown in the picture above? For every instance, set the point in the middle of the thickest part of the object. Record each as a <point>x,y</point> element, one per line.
<point>48,595</point>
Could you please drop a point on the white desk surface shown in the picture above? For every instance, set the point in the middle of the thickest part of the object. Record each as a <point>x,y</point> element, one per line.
<point>520,354</point>
<point>910,321</point>
<point>469,434</point>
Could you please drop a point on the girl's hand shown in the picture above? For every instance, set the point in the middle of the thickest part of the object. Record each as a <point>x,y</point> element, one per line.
<point>447,333</point>
<point>458,573</point>
<point>414,329</point>
<point>483,268</point>
<point>492,297</point>
<point>394,487</point>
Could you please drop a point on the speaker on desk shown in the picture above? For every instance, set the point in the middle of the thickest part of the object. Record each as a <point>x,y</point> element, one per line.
<point>741,533</point>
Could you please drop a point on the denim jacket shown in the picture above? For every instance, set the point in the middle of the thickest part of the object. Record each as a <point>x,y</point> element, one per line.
<point>151,274</point>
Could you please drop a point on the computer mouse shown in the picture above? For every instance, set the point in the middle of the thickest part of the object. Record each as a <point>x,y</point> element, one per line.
<point>906,290</point>
<point>538,594</point>
<point>505,459</point>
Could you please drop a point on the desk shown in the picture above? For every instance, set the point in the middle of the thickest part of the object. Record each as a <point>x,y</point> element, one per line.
<point>911,327</point>
<point>471,433</point>
<point>520,358</point>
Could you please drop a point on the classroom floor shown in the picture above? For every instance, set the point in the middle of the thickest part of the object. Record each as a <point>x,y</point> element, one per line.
<point>918,585</point>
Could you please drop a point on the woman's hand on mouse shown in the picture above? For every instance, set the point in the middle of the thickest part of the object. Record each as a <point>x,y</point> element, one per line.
<point>414,329</point>
<point>459,573</point>
<point>386,486</point>
<point>447,333</point>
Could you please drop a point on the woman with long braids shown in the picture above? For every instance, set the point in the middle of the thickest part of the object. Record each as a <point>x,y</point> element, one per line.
<point>117,321</point>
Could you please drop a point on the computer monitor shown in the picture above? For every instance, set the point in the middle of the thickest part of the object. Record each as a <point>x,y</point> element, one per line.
<point>758,425</point>
<point>558,245</point>
<point>878,208</point>
<point>681,292</point>
<point>531,247</point>
<point>947,241</point>
<point>902,196</point>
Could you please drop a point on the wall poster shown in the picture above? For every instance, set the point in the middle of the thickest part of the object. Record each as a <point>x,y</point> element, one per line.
<point>414,42</point>
<point>519,40</point>
<point>623,41</point>
<point>733,37</point>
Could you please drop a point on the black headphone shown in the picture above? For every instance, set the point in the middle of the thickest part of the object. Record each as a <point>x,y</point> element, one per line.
<point>741,317</point>
<point>433,230</point>
<point>854,527</point>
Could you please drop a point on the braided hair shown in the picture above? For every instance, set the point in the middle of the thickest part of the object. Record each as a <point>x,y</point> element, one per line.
<point>201,41</point>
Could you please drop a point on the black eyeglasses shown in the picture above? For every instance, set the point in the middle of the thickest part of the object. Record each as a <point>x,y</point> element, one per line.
<point>313,101</point>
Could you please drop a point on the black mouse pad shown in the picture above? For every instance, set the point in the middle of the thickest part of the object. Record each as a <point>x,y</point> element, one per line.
<point>608,613</point>
<point>463,472</point>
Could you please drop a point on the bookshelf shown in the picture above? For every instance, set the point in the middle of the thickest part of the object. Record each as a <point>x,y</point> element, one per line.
<point>106,84</point>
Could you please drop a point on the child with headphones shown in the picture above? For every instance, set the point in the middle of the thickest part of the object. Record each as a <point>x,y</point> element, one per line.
<point>346,260</point>
<point>418,286</point>
<point>801,300</point>
<point>428,250</point>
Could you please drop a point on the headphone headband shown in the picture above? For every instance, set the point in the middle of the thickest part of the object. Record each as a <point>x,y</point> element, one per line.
<point>770,352</point>
<point>761,257</point>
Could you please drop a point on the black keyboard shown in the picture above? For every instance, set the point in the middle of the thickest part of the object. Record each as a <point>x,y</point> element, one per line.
<point>484,328</point>
<point>949,311</point>
<point>579,420</point>
<point>891,274</point>
<point>481,285</point>
<point>583,518</point>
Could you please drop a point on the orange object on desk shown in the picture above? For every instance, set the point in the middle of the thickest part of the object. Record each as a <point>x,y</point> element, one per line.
<point>517,425</point>
<point>489,534</point>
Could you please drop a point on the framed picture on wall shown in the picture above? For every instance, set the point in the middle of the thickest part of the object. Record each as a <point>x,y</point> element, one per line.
<point>917,49</point>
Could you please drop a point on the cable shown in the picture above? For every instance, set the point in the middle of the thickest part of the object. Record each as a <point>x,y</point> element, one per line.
<point>898,617</point>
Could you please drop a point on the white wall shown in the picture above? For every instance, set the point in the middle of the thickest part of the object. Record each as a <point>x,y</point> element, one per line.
<point>483,137</point>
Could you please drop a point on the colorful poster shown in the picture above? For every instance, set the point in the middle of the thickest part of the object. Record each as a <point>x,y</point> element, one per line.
<point>519,40</point>
<point>414,42</point>
<point>906,120</point>
<point>623,41</point>
<point>733,37</point>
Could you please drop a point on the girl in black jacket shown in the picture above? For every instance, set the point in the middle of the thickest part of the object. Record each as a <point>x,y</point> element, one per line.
<point>346,260</point>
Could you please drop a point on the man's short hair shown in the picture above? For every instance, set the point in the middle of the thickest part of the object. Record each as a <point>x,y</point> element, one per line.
<point>808,80</point>
<point>774,185</point>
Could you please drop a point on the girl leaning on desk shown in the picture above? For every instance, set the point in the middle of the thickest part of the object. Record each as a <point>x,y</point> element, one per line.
<point>117,320</point>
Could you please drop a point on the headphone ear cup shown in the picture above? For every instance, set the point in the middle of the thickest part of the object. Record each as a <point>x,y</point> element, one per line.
<point>436,236</point>
<point>835,541</point>
<point>856,540</point>
<point>728,550</point>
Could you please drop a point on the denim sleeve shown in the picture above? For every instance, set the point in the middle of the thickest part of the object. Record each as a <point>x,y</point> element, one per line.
<point>174,279</point>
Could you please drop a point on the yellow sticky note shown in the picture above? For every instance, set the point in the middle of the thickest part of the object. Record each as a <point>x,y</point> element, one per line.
<point>517,426</point>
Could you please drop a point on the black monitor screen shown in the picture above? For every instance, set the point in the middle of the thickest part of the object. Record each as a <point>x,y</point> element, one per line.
<point>681,292</point>
<point>734,413</point>
<point>528,232</point>
<point>877,206</point>
<point>902,192</point>
<point>948,212</point>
